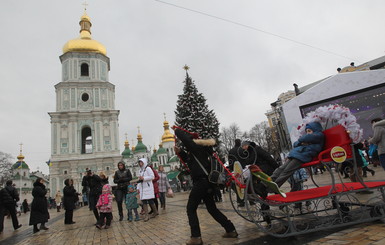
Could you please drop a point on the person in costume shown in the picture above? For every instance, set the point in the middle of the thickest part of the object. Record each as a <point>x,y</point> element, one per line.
<point>196,155</point>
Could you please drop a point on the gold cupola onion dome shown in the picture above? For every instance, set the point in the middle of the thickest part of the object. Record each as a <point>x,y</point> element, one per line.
<point>84,43</point>
<point>167,135</point>
<point>140,147</point>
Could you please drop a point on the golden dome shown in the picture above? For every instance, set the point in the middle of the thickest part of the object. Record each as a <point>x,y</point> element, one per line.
<point>20,157</point>
<point>167,135</point>
<point>84,43</point>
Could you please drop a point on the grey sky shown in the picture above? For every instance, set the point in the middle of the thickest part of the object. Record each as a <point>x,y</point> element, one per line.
<point>239,69</point>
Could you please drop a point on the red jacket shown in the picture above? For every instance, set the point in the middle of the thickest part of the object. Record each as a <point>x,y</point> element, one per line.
<point>155,181</point>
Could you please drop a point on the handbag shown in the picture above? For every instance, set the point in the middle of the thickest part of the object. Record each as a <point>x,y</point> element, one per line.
<point>170,193</point>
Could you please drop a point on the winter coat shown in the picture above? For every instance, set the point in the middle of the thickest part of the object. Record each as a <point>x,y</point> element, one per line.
<point>379,136</point>
<point>39,206</point>
<point>309,145</point>
<point>258,156</point>
<point>131,199</point>
<point>25,206</point>
<point>234,155</point>
<point>58,198</point>
<point>5,198</point>
<point>146,188</point>
<point>94,182</point>
<point>163,182</point>
<point>104,203</point>
<point>155,181</point>
<point>200,151</point>
<point>122,178</point>
<point>10,195</point>
<point>70,196</point>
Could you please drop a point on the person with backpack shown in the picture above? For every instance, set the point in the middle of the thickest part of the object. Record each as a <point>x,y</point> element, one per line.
<point>196,155</point>
<point>8,199</point>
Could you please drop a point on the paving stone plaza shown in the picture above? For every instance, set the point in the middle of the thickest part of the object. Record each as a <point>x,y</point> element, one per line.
<point>171,227</point>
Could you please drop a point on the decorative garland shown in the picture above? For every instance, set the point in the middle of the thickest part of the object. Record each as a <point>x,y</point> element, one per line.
<point>330,116</point>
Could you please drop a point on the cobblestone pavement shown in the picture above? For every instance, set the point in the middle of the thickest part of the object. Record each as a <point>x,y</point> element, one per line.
<point>171,227</point>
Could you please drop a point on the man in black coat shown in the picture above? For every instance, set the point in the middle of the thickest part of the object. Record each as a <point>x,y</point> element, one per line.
<point>197,158</point>
<point>254,154</point>
<point>94,182</point>
<point>8,199</point>
<point>122,178</point>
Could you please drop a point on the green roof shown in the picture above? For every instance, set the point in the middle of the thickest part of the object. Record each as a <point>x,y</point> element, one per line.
<point>18,164</point>
<point>161,150</point>
<point>174,158</point>
<point>127,153</point>
<point>154,157</point>
<point>140,147</point>
<point>173,174</point>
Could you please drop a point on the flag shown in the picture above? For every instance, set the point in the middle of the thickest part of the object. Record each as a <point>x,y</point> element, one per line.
<point>49,163</point>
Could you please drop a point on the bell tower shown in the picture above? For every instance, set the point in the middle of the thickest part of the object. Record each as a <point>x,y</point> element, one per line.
<point>84,127</point>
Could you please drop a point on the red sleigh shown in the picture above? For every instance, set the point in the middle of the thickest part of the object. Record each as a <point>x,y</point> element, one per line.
<point>327,206</point>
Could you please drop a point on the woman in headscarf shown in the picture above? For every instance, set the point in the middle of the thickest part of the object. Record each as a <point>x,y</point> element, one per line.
<point>39,206</point>
<point>69,199</point>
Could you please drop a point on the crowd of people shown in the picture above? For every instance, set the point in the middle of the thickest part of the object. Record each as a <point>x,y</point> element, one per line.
<point>152,184</point>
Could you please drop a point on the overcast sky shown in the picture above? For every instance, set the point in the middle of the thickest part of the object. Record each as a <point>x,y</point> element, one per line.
<point>242,54</point>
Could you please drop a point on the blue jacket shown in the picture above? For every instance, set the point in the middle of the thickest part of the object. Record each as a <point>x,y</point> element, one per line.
<point>308,145</point>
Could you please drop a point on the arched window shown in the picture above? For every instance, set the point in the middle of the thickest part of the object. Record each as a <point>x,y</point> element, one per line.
<point>84,70</point>
<point>86,140</point>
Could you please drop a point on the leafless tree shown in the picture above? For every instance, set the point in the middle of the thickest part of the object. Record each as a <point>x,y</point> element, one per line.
<point>228,136</point>
<point>5,167</point>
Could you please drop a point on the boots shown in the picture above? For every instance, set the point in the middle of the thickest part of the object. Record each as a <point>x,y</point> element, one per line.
<point>137,218</point>
<point>145,210</point>
<point>58,208</point>
<point>154,210</point>
<point>130,218</point>
<point>35,229</point>
<point>194,241</point>
<point>43,227</point>
<point>164,206</point>
<point>231,234</point>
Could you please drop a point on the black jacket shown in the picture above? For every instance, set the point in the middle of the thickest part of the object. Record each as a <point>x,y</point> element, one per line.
<point>94,182</point>
<point>69,196</point>
<point>202,153</point>
<point>257,155</point>
<point>39,206</point>
<point>5,198</point>
<point>122,178</point>
<point>234,155</point>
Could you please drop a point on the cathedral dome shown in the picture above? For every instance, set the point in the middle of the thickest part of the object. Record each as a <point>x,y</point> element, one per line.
<point>140,147</point>
<point>154,157</point>
<point>84,43</point>
<point>161,150</point>
<point>167,135</point>
<point>127,153</point>
<point>20,163</point>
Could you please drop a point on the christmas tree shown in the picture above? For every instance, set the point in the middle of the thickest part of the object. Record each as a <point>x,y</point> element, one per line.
<point>192,112</point>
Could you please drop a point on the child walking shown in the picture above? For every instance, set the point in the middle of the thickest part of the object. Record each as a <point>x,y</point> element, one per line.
<point>105,207</point>
<point>132,202</point>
